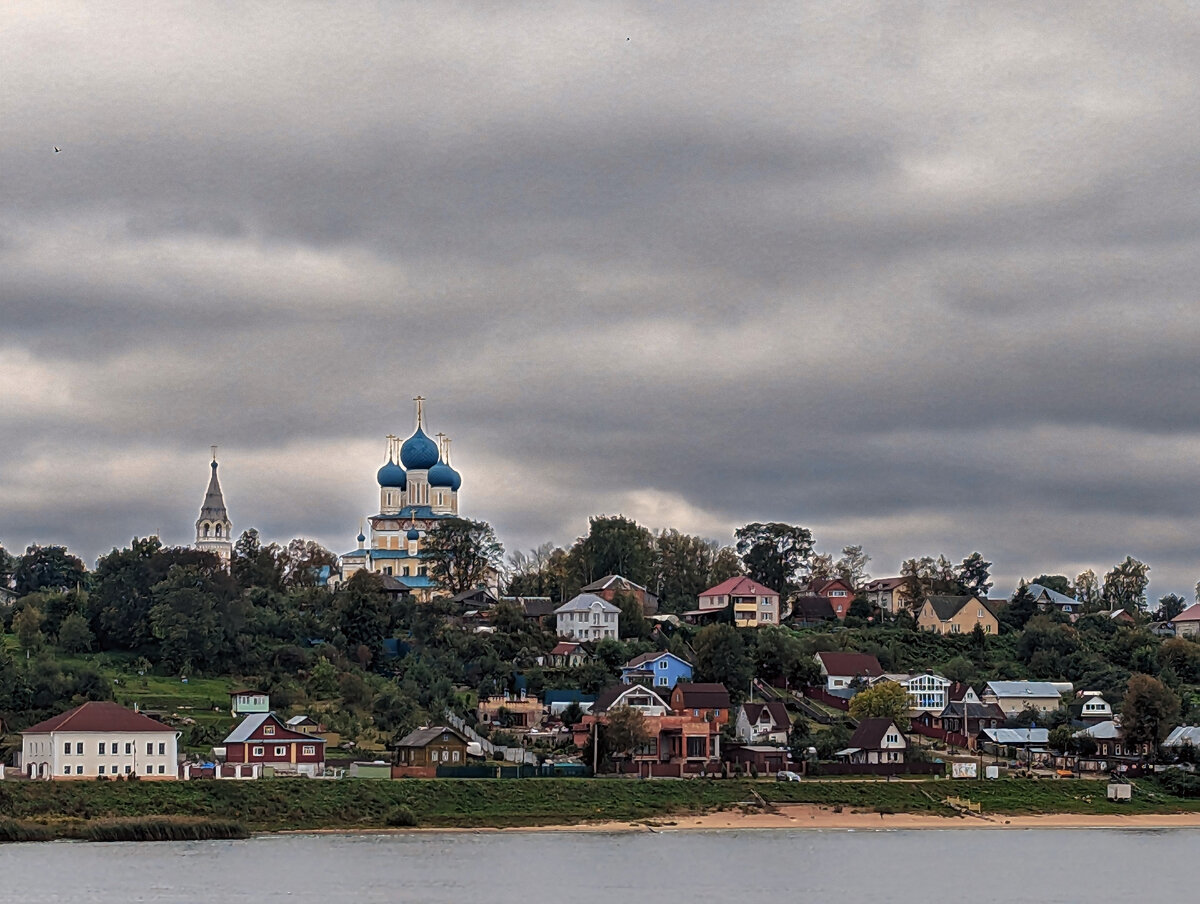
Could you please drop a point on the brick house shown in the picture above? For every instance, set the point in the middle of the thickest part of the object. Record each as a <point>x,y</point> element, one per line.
<point>838,591</point>
<point>265,739</point>
<point>610,585</point>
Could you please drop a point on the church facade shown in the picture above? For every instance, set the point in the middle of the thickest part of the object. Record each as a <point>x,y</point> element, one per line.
<point>214,530</point>
<point>417,488</point>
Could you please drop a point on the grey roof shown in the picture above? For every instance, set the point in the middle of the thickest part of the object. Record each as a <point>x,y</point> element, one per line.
<point>1015,736</point>
<point>1101,731</point>
<point>1182,736</point>
<point>610,695</point>
<point>419,737</point>
<point>1059,599</point>
<point>870,733</point>
<point>975,711</point>
<point>247,727</point>
<point>584,603</point>
<point>946,607</point>
<point>622,582</point>
<point>1023,689</point>
<point>214,503</point>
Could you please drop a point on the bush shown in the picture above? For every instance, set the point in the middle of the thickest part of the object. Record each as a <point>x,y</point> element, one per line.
<point>163,828</point>
<point>11,830</point>
<point>402,818</point>
<point>1180,783</point>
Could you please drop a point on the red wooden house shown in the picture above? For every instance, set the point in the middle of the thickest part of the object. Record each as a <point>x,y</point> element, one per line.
<point>265,739</point>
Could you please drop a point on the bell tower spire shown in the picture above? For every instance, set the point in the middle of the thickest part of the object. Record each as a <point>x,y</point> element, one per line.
<point>214,530</point>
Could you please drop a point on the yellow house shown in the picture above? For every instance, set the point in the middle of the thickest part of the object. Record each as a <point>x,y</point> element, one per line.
<point>957,615</point>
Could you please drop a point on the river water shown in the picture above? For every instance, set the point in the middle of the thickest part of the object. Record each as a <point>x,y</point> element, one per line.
<point>730,867</point>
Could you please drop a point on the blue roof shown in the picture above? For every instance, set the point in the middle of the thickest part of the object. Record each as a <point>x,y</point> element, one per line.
<point>411,511</point>
<point>419,452</point>
<point>441,475</point>
<point>392,475</point>
<point>567,696</point>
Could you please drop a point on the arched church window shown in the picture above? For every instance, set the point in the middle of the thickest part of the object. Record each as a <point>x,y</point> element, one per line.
<point>206,528</point>
<point>218,530</point>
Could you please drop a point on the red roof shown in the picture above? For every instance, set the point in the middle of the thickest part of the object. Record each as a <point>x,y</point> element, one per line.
<point>564,648</point>
<point>98,716</point>
<point>1191,613</point>
<point>856,665</point>
<point>739,586</point>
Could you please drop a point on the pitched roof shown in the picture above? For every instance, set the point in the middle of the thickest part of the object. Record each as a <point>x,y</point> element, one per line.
<point>702,696</point>
<point>870,733</point>
<point>584,602</point>
<point>249,725</point>
<point>740,585</point>
<point>946,607</point>
<point>420,737</point>
<point>534,606</point>
<point>214,503</point>
<point>610,696</point>
<point>1182,736</point>
<point>1014,736</point>
<point>1101,731</point>
<point>1053,596</point>
<point>1023,689</point>
<point>641,660</point>
<point>974,711</point>
<point>565,648</point>
<point>812,608</point>
<point>886,583</point>
<point>774,708</point>
<point>623,583</point>
<point>820,586</point>
<point>862,665</point>
<point>98,715</point>
<point>1191,613</point>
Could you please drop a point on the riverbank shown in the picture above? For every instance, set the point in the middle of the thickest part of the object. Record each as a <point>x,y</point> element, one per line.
<point>280,805</point>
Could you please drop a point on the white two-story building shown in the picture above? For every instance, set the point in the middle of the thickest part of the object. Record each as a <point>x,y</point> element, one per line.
<point>100,739</point>
<point>587,617</point>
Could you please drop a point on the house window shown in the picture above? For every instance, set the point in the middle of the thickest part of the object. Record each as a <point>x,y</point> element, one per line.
<point>455,756</point>
<point>309,749</point>
<point>67,748</point>
<point>128,747</point>
<point>99,770</point>
<point>838,593</point>
<point>162,770</point>
<point>101,750</point>
<point>66,770</point>
<point>149,749</point>
<point>162,749</point>
<point>662,664</point>
<point>128,768</point>
<point>149,770</point>
<point>280,750</point>
<point>79,748</point>
<point>955,629</point>
<point>661,680</point>
<point>256,751</point>
<point>268,729</point>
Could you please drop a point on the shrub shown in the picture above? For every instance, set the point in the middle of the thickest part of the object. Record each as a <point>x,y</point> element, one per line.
<point>402,818</point>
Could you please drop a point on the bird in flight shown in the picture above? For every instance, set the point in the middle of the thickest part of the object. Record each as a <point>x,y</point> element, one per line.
<point>57,150</point>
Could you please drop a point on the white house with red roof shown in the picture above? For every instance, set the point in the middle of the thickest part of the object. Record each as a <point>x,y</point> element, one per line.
<point>100,739</point>
<point>753,603</point>
<point>1187,622</point>
<point>842,670</point>
<point>264,739</point>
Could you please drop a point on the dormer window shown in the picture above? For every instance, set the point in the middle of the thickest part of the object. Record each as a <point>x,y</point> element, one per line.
<point>268,729</point>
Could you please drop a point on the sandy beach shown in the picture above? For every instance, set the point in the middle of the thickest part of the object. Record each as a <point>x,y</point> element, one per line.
<point>806,816</point>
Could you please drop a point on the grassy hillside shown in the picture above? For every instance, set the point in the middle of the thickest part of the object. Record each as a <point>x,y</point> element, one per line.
<point>281,804</point>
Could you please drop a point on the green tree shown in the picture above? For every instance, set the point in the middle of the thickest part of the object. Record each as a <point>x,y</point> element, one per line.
<point>614,545</point>
<point>1149,712</point>
<point>1183,656</point>
<point>1125,585</point>
<point>775,554</point>
<point>721,657</point>
<point>8,563</point>
<point>883,700</point>
<point>462,554</point>
<point>1020,609</point>
<point>800,738</point>
<point>685,566</point>
<point>47,568</point>
<point>625,730</point>
<point>27,625</point>
<point>852,566</point>
<point>302,562</point>
<point>1169,606</point>
<point>632,622</point>
<point>74,635</point>
<point>1059,583</point>
<point>1086,590</point>
<point>255,565</point>
<point>361,613</point>
<point>572,714</point>
<point>187,619</point>
<point>974,576</point>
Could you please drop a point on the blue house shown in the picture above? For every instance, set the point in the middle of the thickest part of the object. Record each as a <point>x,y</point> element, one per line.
<point>662,670</point>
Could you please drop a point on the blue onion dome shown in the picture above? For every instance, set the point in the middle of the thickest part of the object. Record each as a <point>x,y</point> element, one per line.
<point>441,475</point>
<point>414,534</point>
<point>419,452</point>
<point>392,475</point>
<point>456,479</point>
<point>361,537</point>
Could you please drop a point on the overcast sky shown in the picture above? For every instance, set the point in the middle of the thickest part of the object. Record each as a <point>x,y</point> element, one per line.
<point>920,277</point>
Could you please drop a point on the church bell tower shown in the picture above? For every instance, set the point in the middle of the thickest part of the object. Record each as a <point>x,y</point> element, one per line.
<point>214,531</point>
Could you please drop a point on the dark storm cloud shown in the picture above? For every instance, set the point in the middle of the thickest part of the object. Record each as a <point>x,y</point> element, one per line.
<point>918,279</point>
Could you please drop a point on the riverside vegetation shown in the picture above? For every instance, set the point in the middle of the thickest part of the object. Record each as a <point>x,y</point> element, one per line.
<point>209,809</point>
